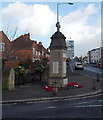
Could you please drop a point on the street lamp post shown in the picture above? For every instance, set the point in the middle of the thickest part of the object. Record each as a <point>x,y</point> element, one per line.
<point>58,24</point>
<point>57,58</point>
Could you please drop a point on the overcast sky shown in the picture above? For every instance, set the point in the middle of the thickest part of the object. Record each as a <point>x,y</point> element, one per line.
<point>81,22</point>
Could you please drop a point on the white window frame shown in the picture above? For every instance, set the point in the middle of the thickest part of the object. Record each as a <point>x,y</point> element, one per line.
<point>39,53</point>
<point>33,59</point>
<point>2,46</point>
<point>34,51</point>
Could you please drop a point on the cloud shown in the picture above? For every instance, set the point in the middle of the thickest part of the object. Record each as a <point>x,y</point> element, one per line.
<point>76,25</point>
<point>0,17</point>
<point>36,18</point>
<point>39,20</point>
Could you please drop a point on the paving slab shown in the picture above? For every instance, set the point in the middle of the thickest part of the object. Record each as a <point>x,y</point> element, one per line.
<point>35,91</point>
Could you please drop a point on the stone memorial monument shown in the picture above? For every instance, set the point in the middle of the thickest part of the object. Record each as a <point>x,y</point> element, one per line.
<point>58,58</point>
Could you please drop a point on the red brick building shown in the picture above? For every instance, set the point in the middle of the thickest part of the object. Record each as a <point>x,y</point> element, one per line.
<point>25,49</point>
<point>5,48</point>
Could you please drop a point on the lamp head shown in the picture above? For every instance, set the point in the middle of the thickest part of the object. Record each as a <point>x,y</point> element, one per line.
<point>70,3</point>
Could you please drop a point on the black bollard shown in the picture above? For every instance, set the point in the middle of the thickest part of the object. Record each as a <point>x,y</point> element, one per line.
<point>98,77</point>
<point>55,87</point>
<point>94,85</point>
<point>68,80</point>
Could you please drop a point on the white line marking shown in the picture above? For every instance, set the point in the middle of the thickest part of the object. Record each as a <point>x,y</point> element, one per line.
<point>84,102</point>
<point>88,102</point>
<point>89,106</point>
<point>52,107</point>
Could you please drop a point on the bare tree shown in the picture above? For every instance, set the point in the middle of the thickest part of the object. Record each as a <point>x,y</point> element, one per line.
<point>11,34</point>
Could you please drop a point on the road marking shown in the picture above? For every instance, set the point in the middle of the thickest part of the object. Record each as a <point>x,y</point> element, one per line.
<point>87,102</point>
<point>89,106</point>
<point>100,100</point>
<point>52,107</point>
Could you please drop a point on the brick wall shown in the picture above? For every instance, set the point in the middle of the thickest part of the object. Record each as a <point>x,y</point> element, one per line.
<point>3,39</point>
<point>11,64</point>
<point>23,55</point>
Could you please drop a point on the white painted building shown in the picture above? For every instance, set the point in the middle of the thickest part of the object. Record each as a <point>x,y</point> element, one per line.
<point>95,55</point>
<point>70,48</point>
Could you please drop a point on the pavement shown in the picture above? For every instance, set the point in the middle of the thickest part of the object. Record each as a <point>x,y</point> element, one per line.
<point>33,91</point>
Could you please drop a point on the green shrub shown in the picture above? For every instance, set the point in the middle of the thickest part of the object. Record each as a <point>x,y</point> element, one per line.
<point>4,87</point>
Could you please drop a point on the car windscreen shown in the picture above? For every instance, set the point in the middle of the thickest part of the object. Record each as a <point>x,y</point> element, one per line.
<point>79,64</point>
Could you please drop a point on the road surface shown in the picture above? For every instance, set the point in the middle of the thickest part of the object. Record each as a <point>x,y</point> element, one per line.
<point>90,107</point>
<point>88,70</point>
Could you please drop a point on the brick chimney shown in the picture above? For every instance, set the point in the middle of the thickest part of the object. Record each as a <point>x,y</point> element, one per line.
<point>40,43</point>
<point>27,36</point>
